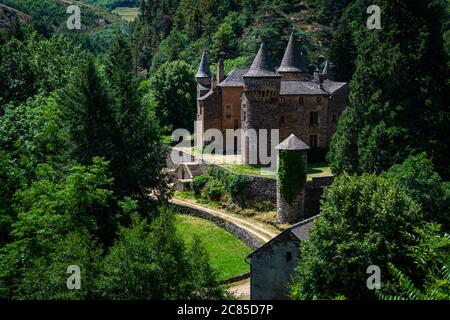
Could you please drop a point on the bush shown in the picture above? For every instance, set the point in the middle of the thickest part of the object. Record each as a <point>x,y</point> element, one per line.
<point>213,190</point>
<point>363,221</point>
<point>219,174</point>
<point>198,183</point>
<point>235,186</point>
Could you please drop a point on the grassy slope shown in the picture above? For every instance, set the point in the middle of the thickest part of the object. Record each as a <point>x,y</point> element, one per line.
<point>314,170</point>
<point>127,14</point>
<point>226,251</point>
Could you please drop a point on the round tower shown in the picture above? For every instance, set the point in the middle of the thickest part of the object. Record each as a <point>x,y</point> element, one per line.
<point>262,82</point>
<point>260,100</point>
<point>291,181</point>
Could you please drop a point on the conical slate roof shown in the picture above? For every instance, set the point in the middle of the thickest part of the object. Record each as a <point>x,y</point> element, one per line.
<point>326,71</point>
<point>292,143</point>
<point>203,69</point>
<point>262,66</point>
<point>293,60</point>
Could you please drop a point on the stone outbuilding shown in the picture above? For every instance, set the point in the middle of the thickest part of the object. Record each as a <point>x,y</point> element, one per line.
<point>272,266</point>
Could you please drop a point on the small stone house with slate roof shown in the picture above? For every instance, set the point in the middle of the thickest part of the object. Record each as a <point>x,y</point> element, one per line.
<point>272,266</point>
<point>262,97</point>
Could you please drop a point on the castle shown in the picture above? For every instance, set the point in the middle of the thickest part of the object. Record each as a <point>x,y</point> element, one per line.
<point>262,97</point>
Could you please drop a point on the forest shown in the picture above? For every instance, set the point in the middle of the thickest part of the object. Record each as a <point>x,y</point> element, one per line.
<point>84,120</point>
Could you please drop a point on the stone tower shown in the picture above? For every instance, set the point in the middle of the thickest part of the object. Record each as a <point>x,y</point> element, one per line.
<point>204,77</point>
<point>259,103</point>
<point>293,65</point>
<point>292,165</point>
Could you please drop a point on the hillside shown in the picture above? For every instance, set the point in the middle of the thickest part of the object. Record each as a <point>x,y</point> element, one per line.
<point>231,30</point>
<point>49,16</point>
<point>8,15</point>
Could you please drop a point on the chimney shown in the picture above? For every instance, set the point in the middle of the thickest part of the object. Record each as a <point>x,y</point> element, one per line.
<point>318,77</point>
<point>220,71</point>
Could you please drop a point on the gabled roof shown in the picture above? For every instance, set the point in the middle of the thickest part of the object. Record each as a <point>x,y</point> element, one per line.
<point>262,66</point>
<point>313,88</point>
<point>292,143</point>
<point>203,69</point>
<point>293,60</point>
<point>300,231</point>
<point>234,79</point>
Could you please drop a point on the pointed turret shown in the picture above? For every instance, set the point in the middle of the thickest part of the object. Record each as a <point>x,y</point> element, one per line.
<point>204,77</point>
<point>203,69</point>
<point>293,65</point>
<point>262,66</point>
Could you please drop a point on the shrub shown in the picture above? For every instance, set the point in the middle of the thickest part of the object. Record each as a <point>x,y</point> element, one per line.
<point>235,185</point>
<point>219,174</point>
<point>198,183</point>
<point>213,190</point>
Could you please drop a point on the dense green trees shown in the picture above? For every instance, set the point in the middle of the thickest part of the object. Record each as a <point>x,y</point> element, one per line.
<point>371,220</point>
<point>398,92</point>
<point>80,152</point>
<point>172,92</point>
<point>431,254</point>
<point>358,227</point>
<point>87,108</point>
<point>153,263</point>
<point>137,166</point>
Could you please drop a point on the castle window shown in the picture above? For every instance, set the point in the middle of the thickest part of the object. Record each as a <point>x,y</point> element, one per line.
<point>313,117</point>
<point>288,256</point>
<point>228,111</point>
<point>282,99</point>
<point>301,100</point>
<point>334,118</point>
<point>313,141</point>
<point>245,116</point>
<point>282,120</point>
<point>319,100</point>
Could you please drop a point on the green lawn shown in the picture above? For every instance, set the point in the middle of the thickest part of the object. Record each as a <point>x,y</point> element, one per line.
<point>128,14</point>
<point>227,252</point>
<point>314,170</point>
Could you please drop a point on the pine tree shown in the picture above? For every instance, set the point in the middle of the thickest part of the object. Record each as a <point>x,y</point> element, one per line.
<point>88,111</point>
<point>137,168</point>
<point>398,90</point>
